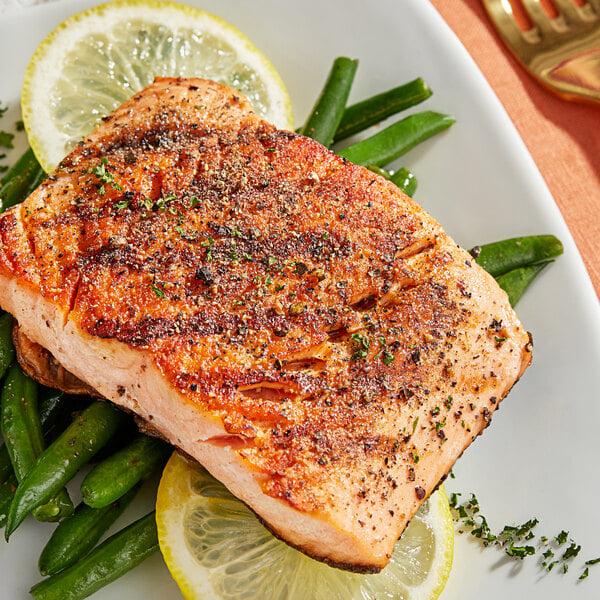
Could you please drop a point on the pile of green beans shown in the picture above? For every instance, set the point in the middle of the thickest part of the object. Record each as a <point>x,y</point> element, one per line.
<point>332,121</point>
<point>46,444</point>
<point>33,476</point>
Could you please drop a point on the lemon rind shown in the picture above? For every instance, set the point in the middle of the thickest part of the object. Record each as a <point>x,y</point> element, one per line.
<point>45,138</point>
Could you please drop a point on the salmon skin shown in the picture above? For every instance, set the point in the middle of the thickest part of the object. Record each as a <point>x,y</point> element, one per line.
<point>291,320</point>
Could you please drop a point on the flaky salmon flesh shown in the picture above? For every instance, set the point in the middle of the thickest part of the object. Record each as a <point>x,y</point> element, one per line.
<point>291,320</point>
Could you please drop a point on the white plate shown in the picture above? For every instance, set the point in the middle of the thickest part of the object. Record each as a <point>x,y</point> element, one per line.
<point>540,457</point>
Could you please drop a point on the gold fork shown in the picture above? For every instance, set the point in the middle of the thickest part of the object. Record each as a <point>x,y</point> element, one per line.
<point>563,53</point>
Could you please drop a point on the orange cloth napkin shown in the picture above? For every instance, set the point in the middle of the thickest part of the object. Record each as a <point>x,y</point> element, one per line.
<point>563,137</point>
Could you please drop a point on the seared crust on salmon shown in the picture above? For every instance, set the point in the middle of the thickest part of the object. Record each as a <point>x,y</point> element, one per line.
<point>289,319</point>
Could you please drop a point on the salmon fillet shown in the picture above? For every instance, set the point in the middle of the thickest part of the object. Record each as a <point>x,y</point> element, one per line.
<point>291,320</point>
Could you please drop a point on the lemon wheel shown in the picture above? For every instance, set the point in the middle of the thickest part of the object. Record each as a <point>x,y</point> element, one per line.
<point>98,58</point>
<point>216,548</point>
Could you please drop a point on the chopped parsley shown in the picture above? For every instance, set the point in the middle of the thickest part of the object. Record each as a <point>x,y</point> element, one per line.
<point>6,139</point>
<point>415,422</point>
<point>105,177</point>
<point>388,358</point>
<point>157,291</point>
<point>124,203</point>
<point>363,345</point>
<point>572,551</point>
<point>208,245</point>
<point>512,538</point>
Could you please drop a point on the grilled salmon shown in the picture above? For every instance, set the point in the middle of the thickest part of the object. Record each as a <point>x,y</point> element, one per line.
<point>291,320</point>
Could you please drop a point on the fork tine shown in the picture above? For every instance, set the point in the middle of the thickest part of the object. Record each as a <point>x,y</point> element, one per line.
<point>568,10</point>
<point>501,15</point>
<point>595,4</point>
<point>539,16</point>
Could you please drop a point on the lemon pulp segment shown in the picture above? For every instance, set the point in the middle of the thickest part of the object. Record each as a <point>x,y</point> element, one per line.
<point>97,59</point>
<point>216,548</point>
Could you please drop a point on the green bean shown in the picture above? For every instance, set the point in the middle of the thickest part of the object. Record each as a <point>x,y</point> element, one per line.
<point>63,458</point>
<point>327,113</point>
<point>19,396</point>
<point>372,110</point>
<point>112,478</point>
<point>51,408</point>
<point>117,442</point>
<point>387,145</point>
<point>7,349</point>
<point>515,282</point>
<point>113,558</point>
<point>36,181</point>
<point>54,405</point>
<point>405,180</point>
<point>24,440</point>
<point>503,256</point>
<point>381,172</point>
<point>6,469</point>
<point>16,184</point>
<point>75,536</point>
<point>7,492</point>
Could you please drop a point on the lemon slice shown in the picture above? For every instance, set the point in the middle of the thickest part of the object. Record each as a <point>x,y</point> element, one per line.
<point>98,58</point>
<point>216,548</point>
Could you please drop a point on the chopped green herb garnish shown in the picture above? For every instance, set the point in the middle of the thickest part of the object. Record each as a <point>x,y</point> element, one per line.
<point>520,551</point>
<point>157,291</point>
<point>453,501</point>
<point>571,551</point>
<point>585,573</point>
<point>363,346</point>
<point>20,126</point>
<point>561,538</point>
<point>415,424</point>
<point>146,203</point>
<point>388,358</point>
<point>124,203</point>
<point>6,139</point>
<point>551,565</point>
